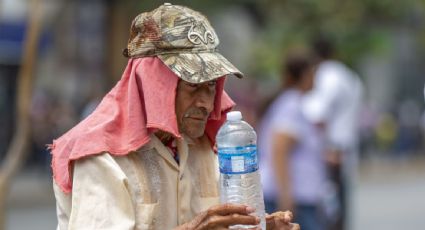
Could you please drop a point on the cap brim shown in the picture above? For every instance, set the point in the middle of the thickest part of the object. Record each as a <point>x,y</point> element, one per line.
<point>199,67</point>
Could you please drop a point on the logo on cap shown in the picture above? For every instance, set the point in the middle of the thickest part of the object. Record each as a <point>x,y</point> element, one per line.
<point>199,33</point>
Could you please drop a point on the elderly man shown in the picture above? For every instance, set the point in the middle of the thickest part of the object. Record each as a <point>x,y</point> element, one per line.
<point>144,158</point>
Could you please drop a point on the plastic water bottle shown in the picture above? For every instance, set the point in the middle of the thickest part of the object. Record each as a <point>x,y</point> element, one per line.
<point>239,177</point>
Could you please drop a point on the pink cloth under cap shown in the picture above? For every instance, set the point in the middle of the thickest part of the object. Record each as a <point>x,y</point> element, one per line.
<point>142,102</point>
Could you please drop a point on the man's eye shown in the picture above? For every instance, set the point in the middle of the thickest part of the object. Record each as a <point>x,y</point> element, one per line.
<point>193,85</point>
<point>212,83</point>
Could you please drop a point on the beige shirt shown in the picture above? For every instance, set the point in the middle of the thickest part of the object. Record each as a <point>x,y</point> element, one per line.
<point>146,189</point>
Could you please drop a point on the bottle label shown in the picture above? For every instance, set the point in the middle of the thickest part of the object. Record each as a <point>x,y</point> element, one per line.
<point>238,160</point>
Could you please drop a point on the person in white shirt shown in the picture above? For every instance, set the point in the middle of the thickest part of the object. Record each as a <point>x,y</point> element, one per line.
<point>334,105</point>
<point>293,171</point>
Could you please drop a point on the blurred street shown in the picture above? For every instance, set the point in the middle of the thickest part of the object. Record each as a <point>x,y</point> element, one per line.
<point>31,203</point>
<point>389,196</point>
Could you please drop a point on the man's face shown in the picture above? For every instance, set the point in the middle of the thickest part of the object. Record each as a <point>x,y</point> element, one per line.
<point>194,103</point>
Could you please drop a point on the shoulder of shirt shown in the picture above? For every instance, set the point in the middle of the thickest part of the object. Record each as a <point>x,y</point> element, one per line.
<point>286,102</point>
<point>106,157</point>
<point>333,71</point>
<point>90,165</point>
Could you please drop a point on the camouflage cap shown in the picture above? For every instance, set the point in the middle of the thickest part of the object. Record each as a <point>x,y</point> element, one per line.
<point>183,39</point>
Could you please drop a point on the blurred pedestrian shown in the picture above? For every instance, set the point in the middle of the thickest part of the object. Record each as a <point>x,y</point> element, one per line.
<point>334,104</point>
<point>423,126</point>
<point>408,140</point>
<point>292,165</point>
<point>144,158</point>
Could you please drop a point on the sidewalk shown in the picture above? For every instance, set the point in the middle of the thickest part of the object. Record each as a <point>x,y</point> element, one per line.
<point>31,203</point>
<point>390,195</point>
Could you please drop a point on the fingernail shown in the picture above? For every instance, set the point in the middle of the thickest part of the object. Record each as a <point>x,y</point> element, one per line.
<point>250,209</point>
<point>257,219</point>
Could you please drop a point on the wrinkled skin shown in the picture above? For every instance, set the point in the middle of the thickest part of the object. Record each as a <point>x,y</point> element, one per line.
<point>222,216</point>
<point>194,103</point>
<point>281,221</point>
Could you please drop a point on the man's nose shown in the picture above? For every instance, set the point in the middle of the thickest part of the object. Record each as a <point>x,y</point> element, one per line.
<point>205,99</point>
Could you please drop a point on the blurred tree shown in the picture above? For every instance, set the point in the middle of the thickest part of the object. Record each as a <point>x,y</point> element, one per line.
<point>358,27</point>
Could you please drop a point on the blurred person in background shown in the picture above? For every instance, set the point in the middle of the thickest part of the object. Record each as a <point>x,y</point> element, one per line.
<point>367,123</point>
<point>423,125</point>
<point>423,130</point>
<point>334,104</point>
<point>408,141</point>
<point>291,148</point>
<point>144,158</point>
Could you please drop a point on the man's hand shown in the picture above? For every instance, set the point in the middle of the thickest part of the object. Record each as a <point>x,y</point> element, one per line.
<point>221,217</point>
<point>281,221</point>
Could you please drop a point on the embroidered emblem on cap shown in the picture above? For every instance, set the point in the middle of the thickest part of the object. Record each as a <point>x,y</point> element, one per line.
<point>198,33</point>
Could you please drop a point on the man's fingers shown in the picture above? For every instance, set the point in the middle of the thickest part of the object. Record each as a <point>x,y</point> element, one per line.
<point>226,209</point>
<point>280,216</point>
<point>225,215</point>
<point>281,220</point>
<point>288,216</point>
<point>232,219</point>
<point>295,227</point>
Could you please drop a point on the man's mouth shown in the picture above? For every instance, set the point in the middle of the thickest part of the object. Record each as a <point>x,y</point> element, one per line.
<point>197,118</point>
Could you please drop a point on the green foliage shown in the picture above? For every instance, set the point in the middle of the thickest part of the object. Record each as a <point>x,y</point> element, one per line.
<point>356,26</point>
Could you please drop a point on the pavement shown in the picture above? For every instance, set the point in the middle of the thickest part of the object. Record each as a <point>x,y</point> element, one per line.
<point>31,202</point>
<point>388,195</point>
